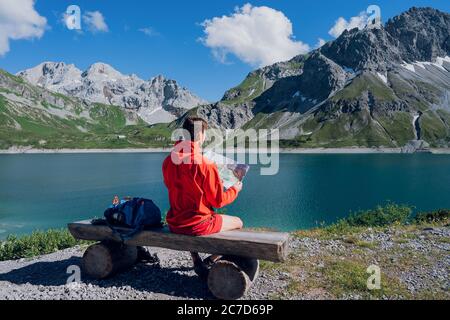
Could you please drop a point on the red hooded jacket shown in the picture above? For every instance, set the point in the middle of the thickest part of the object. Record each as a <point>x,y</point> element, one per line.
<point>194,185</point>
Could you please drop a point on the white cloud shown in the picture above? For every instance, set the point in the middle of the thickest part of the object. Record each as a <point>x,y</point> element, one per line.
<point>95,21</point>
<point>19,20</point>
<point>341,24</point>
<point>257,35</point>
<point>149,31</point>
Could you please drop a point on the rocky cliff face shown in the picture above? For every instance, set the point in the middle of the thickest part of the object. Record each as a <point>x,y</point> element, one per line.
<point>157,100</point>
<point>370,87</point>
<point>420,34</point>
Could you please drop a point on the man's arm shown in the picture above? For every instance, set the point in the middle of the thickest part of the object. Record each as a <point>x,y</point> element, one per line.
<point>214,192</point>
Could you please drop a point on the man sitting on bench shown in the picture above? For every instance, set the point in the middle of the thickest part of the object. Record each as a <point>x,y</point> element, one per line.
<point>195,188</point>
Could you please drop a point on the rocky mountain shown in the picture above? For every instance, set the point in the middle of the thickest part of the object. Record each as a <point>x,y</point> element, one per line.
<point>32,116</point>
<point>382,86</point>
<point>263,79</point>
<point>376,87</point>
<point>157,100</point>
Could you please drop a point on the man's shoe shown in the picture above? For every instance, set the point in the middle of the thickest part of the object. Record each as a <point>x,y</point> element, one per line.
<point>209,261</point>
<point>144,256</point>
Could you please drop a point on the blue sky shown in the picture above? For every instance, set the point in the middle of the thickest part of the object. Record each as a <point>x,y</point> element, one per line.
<point>173,48</point>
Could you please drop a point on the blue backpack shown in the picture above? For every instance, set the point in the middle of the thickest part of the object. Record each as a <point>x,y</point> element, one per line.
<point>136,214</point>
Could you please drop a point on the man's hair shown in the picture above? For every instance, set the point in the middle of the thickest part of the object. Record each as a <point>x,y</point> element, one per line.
<point>190,125</point>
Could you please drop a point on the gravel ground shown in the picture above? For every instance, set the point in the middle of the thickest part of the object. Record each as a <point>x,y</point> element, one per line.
<point>46,277</point>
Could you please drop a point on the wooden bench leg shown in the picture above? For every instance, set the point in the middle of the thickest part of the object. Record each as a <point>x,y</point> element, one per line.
<point>231,277</point>
<point>105,259</point>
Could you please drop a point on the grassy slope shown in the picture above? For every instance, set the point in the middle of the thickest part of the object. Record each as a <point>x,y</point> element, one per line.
<point>366,82</point>
<point>57,133</point>
<point>435,127</point>
<point>365,131</point>
<point>37,243</point>
<point>253,85</point>
<point>251,88</point>
<point>342,273</point>
<point>337,267</point>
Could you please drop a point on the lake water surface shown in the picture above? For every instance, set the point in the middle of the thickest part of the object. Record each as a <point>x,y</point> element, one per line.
<point>49,190</point>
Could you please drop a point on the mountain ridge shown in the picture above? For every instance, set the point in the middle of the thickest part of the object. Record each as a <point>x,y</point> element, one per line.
<point>155,100</point>
<point>363,89</point>
<point>375,87</point>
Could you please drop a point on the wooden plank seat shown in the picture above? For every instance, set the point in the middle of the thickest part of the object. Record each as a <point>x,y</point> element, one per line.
<point>229,278</point>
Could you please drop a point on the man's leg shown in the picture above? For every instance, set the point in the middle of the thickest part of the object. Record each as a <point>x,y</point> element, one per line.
<point>231,223</point>
<point>199,267</point>
<point>195,257</point>
<point>228,223</point>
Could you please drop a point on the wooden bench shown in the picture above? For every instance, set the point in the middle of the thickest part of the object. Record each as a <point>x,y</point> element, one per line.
<point>229,278</point>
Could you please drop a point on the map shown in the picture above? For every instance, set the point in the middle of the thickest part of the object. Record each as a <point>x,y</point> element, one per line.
<point>230,171</point>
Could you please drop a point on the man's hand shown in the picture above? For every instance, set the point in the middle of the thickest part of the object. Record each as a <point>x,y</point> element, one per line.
<point>116,201</point>
<point>238,186</point>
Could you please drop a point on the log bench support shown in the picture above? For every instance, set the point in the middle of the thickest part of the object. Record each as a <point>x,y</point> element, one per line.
<point>229,278</point>
<point>105,259</point>
<point>232,276</point>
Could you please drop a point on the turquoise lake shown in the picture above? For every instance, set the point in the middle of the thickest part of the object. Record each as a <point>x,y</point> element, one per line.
<point>49,190</point>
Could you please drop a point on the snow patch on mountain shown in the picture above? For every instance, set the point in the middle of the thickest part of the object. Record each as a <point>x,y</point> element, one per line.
<point>408,66</point>
<point>439,63</point>
<point>382,77</point>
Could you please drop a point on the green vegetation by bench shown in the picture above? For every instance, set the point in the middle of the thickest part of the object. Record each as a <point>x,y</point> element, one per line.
<point>37,243</point>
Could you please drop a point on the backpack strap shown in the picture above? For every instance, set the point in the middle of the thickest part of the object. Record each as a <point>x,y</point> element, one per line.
<point>115,231</point>
<point>124,236</point>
